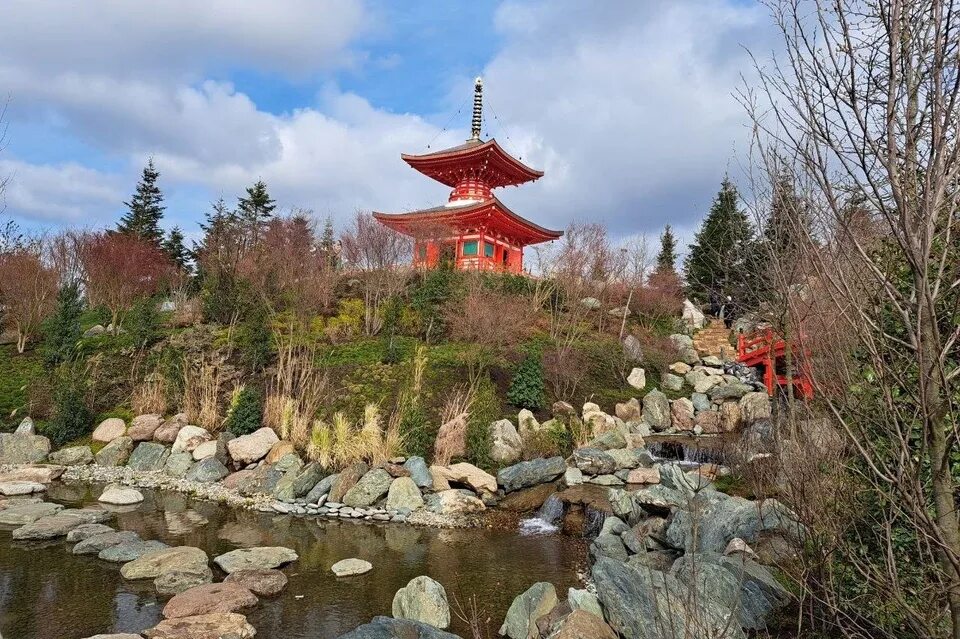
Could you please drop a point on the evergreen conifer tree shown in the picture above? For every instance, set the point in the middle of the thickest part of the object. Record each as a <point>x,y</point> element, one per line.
<point>255,210</point>
<point>61,331</point>
<point>718,262</point>
<point>667,257</point>
<point>328,245</point>
<point>175,248</point>
<point>145,208</point>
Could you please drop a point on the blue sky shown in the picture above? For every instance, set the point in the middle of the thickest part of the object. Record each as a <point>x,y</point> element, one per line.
<point>628,106</point>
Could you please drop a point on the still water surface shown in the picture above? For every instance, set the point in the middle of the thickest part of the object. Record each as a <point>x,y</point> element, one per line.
<point>48,593</point>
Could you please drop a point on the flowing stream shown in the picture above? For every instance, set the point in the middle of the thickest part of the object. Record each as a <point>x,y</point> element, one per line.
<point>547,518</point>
<point>48,593</point>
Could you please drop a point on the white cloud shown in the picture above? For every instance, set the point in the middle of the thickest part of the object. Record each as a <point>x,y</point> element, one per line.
<point>60,193</point>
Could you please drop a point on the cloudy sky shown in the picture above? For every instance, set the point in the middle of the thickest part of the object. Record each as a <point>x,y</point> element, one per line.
<point>626,105</point>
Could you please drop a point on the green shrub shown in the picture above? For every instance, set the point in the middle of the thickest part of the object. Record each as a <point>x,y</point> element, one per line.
<point>71,417</point>
<point>246,412</point>
<point>61,331</point>
<point>527,386</point>
<point>255,338</point>
<point>417,432</point>
<point>143,323</point>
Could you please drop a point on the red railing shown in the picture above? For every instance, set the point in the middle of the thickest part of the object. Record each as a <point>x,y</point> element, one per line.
<point>766,350</point>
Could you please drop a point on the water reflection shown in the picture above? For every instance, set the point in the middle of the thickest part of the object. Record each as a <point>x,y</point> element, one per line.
<point>51,594</point>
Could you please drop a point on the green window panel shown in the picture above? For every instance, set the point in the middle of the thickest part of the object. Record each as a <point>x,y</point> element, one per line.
<point>470,248</point>
<point>488,249</point>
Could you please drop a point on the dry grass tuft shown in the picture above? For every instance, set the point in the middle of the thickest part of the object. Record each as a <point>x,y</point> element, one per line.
<point>298,388</point>
<point>452,436</point>
<point>201,393</point>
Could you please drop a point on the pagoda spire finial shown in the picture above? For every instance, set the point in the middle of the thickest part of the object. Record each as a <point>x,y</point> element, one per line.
<point>477,109</point>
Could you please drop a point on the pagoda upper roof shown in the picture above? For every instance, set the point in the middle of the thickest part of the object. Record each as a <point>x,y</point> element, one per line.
<point>491,214</point>
<point>486,161</point>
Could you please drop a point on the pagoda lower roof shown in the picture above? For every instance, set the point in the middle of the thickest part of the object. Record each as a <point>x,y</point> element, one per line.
<point>486,161</point>
<point>490,214</point>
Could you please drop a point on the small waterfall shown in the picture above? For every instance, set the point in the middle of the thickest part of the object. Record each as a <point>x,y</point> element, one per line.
<point>546,520</point>
<point>679,451</point>
<point>594,522</point>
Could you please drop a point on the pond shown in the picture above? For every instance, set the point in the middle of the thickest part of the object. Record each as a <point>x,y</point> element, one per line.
<point>48,593</point>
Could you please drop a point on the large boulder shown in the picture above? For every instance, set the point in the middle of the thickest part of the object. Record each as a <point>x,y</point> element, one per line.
<point>255,558</point>
<point>527,499</point>
<point>205,450</point>
<point>592,461</point>
<point>682,414</point>
<point>643,603</point>
<point>351,566</point>
<point>454,502</point>
<point>109,429</point>
<point>153,564</point>
<point>23,449</point>
<point>754,407</point>
<point>530,473</point>
<point>143,427</point>
<point>27,512</point>
<point>60,524</point>
<point>279,450</point>
<point>580,624</point>
<point>347,479</point>
<point>189,437</point>
<point>732,390</point>
<point>297,482</point>
<point>480,481</point>
<point>177,581</point>
<point>208,598</point>
<point>505,443</point>
<point>656,410</point>
<point>637,378</point>
<point>521,620</point>
<point>36,473</point>
<point>178,464</point>
<point>423,600</point>
<point>370,489</point>
<point>263,582</point>
<point>404,493</point>
<point>85,531</point>
<point>217,625</point>
<point>149,456</point>
<point>388,628</point>
<point>116,453</point>
<point>93,545</point>
<point>120,496</point>
<point>130,551</point>
<point>207,471</point>
<point>692,316</point>
<point>628,411</point>
<point>167,433</point>
<point>72,456</point>
<point>321,488</point>
<point>419,472</point>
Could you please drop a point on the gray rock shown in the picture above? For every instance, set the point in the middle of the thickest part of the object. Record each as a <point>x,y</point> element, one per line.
<point>404,493</point>
<point>593,461</point>
<point>608,545</point>
<point>223,451</point>
<point>530,473</point>
<point>423,600</point>
<point>734,390</point>
<point>26,427</point>
<point>521,620</point>
<point>120,495</point>
<point>584,600</point>
<point>116,453</point>
<point>148,456</point>
<point>672,382</point>
<point>85,531</point>
<point>255,558</point>
<point>505,443</point>
<point>736,583</point>
<point>321,489</point>
<point>27,512</point>
<point>729,517</point>
<point>252,447</point>
<point>387,628</point>
<point>60,524</point>
<point>454,502</point>
<point>611,439</point>
<point>178,464</point>
<point>207,471</point>
<point>93,545</point>
<point>371,488</point>
<point>300,482</point>
<point>154,564</point>
<point>351,566</point>
<point>681,341</point>
<point>72,456</point>
<point>419,472</point>
<point>700,401</point>
<point>656,410</point>
<point>18,448</point>
<point>176,581</point>
<point>130,551</point>
<point>629,458</point>
<point>573,476</point>
<point>642,603</point>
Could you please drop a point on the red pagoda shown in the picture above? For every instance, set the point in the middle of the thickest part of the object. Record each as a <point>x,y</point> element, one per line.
<point>474,229</point>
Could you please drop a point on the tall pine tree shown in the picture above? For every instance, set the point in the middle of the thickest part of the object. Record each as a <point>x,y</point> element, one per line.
<point>667,257</point>
<point>145,209</point>
<point>61,331</point>
<point>255,210</point>
<point>176,249</point>
<point>328,245</point>
<point>719,260</point>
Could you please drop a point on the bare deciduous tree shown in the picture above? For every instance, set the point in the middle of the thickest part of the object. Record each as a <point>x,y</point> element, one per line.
<point>862,110</point>
<point>28,289</point>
